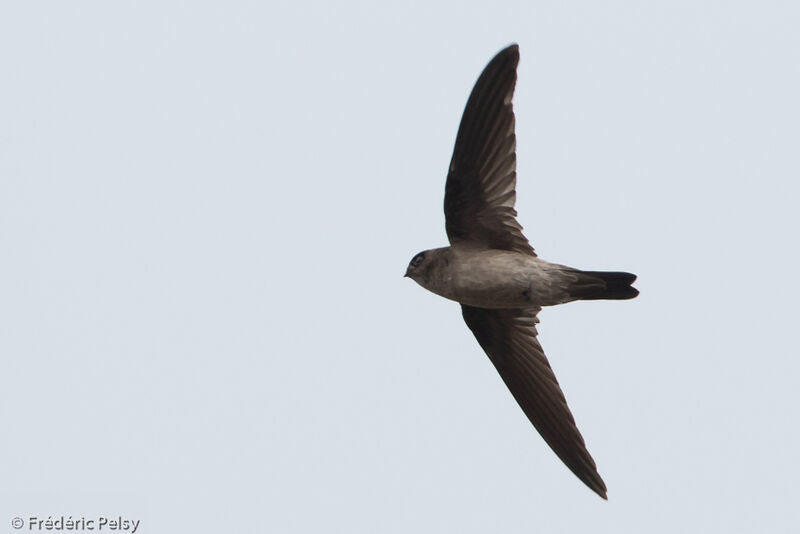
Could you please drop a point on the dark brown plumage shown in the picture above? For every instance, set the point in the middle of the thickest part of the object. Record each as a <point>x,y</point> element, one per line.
<point>509,339</point>
<point>491,269</point>
<point>481,183</point>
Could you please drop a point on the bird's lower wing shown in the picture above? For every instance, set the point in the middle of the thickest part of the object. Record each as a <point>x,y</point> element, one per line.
<point>509,339</point>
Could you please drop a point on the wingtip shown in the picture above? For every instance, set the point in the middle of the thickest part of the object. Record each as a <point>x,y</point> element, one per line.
<point>507,54</point>
<point>594,481</point>
<point>599,489</point>
<point>511,51</point>
<point>505,60</point>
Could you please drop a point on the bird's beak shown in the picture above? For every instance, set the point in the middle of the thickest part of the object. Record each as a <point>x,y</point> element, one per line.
<point>406,275</point>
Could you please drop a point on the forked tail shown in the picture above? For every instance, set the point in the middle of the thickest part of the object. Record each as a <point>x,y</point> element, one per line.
<point>597,285</point>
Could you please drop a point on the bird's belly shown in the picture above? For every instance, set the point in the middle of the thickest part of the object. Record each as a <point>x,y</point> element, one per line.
<point>497,281</point>
<point>509,292</point>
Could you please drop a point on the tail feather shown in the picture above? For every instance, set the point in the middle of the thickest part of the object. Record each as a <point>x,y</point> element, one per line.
<point>597,285</point>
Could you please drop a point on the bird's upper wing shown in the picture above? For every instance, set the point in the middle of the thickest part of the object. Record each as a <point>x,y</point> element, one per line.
<point>480,191</point>
<point>509,339</point>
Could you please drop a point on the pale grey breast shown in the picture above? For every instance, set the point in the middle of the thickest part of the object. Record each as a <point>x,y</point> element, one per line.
<point>499,279</point>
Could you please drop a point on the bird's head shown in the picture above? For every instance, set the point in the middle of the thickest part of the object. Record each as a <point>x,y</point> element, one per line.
<point>417,265</point>
<point>426,267</point>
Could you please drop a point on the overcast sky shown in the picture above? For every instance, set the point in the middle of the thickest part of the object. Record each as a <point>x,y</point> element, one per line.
<point>206,209</point>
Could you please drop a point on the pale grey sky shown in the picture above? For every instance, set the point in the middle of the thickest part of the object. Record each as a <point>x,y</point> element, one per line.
<point>206,210</point>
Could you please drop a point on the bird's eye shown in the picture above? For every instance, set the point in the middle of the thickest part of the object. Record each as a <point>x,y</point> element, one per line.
<point>418,259</point>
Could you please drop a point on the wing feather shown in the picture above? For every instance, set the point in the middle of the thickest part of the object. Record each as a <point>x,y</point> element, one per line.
<point>509,339</point>
<point>481,183</point>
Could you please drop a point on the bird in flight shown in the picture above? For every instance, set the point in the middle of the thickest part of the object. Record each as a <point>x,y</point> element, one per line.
<point>494,273</point>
